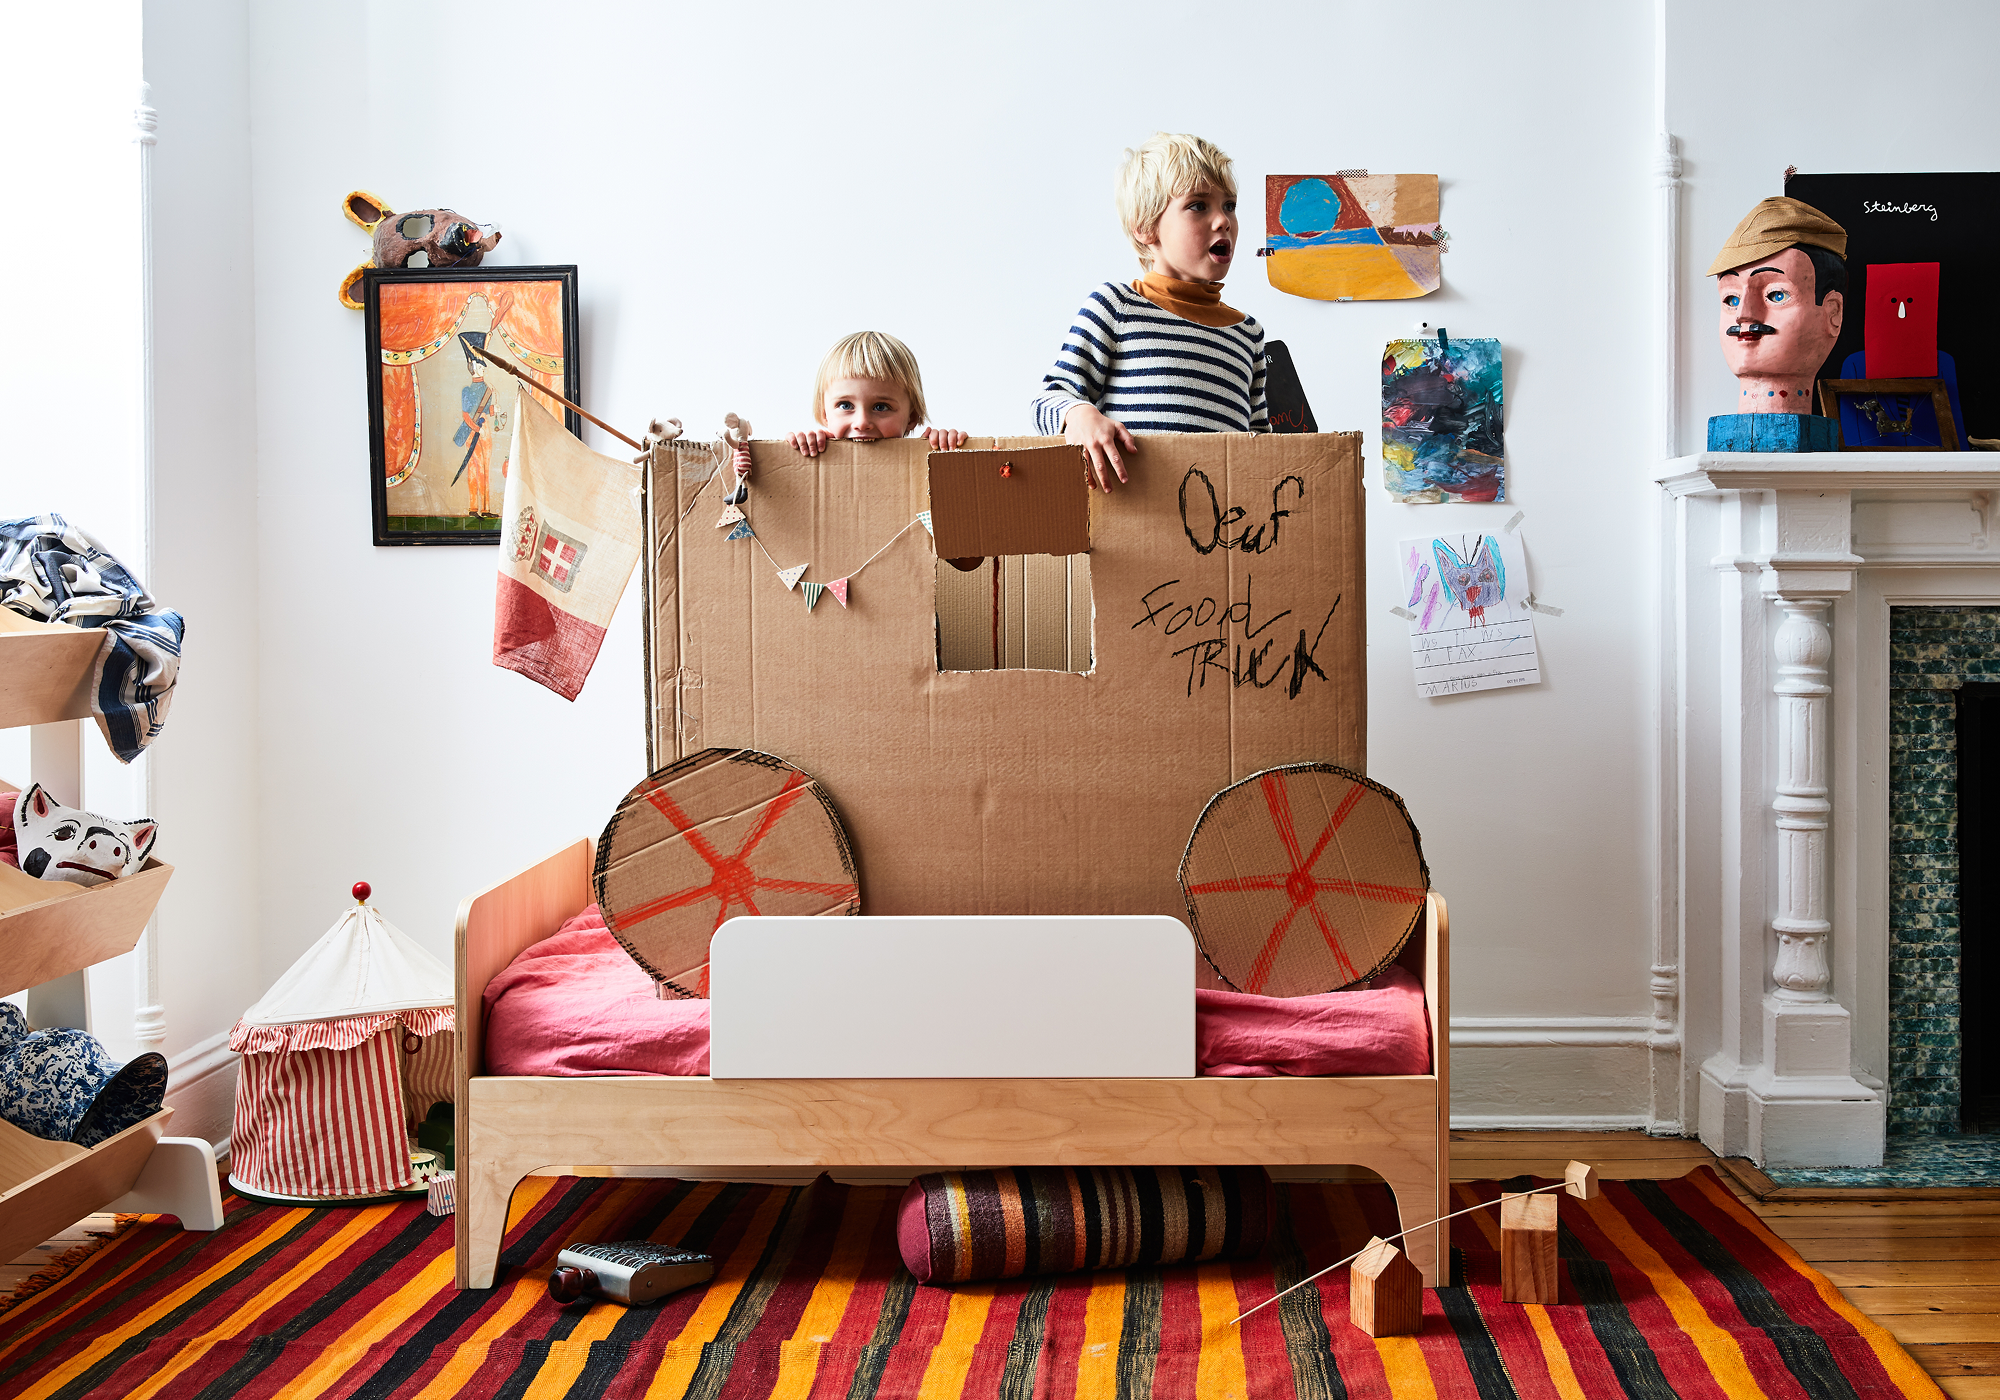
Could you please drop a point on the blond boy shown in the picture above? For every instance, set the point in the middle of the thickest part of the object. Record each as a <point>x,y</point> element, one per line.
<point>869,388</point>
<point>1164,354</point>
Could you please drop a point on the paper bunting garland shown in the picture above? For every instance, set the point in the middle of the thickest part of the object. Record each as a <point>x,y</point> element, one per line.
<point>925,516</point>
<point>812,592</point>
<point>790,577</point>
<point>838,588</point>
<point>741,532</point>
<point>730,515</point>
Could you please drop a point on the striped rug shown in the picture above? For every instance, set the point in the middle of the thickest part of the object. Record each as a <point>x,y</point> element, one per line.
<point>1671,1290</point>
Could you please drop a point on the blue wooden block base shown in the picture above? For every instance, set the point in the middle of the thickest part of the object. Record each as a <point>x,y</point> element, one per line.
<point>1773,432</point>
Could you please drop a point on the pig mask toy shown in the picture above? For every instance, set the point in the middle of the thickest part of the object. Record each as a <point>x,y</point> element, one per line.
<point>82,848</point>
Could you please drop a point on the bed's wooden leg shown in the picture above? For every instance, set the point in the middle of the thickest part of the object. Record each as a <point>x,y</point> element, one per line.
<point>1416,1202</point>
<point>484,1193</point>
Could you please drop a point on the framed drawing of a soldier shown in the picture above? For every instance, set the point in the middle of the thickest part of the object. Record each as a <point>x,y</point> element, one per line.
<point>440,418</point>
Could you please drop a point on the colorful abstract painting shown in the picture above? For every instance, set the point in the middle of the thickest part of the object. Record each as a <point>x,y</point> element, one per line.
<point>1441,412</point>
<point>1352,237</point>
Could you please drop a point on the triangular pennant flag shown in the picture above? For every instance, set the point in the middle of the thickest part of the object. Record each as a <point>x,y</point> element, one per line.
<point>925,516</point>
<point>812,592</point>
<point>741,532</point>
<point>838,588</point>
<point>730,515</point>
<point>790,577</point>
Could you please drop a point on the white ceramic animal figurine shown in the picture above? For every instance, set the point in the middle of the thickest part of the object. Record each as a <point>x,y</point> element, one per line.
<point>65,843</point>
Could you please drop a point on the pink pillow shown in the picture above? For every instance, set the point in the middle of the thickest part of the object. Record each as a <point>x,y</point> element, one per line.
<point>1381,1030</point>
<point>576,1003</point>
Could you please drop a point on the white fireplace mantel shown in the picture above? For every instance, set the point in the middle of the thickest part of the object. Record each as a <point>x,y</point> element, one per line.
<point>1780,570</point>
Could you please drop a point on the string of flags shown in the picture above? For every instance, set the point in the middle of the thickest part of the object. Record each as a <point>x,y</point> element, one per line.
<point>738,523</point>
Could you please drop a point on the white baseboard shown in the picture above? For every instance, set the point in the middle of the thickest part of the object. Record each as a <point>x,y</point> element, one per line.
<point>201,1089</point>
<point>1567,1073</point>
<point>1548,1122</point>
<point>1470,1032</point>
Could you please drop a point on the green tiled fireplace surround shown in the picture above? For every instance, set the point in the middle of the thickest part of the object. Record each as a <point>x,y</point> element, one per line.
<point>1931,652</point>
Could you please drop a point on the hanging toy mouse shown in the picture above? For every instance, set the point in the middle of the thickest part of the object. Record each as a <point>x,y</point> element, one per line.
<point>736,431</point>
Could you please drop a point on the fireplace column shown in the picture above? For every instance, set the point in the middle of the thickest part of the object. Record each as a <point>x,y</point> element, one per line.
<point>1805,1108</point>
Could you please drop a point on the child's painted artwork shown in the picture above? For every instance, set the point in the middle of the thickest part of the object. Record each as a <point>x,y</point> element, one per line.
<point>1352,237</point>
<point>1470,624</point>
<point>1441,438</point>
<point>442,416</point>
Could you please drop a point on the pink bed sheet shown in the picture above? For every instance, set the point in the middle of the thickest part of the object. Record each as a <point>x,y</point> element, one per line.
<point>576,1004</point>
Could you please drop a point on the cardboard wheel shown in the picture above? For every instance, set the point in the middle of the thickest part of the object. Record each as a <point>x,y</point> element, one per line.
<point>1303,879</point>
<point>720,833</point>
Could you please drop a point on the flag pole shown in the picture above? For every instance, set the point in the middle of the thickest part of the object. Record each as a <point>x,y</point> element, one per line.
<point>536,384</point>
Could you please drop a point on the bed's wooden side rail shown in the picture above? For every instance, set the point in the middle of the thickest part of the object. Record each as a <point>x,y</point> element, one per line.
<point>493,927</point>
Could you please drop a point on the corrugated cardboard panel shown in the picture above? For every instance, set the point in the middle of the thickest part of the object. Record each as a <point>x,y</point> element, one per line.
<point>965,617</point>
<point>1017,501</point>
<point>1045,610</point>
<point>1228,639</point>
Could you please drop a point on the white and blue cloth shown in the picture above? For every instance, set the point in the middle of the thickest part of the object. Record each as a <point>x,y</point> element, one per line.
<point>54,572</point>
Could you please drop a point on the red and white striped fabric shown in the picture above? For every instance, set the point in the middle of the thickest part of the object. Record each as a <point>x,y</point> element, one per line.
<point>342,1058</point>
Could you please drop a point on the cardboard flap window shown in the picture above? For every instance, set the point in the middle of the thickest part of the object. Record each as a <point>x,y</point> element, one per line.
<point>1027,501</point>
<point>721,832</point>
<point>1303,879</point>
<point>1227,584</point>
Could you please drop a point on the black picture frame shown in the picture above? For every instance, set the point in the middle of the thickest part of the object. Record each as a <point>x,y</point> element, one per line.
<point>446,526</point>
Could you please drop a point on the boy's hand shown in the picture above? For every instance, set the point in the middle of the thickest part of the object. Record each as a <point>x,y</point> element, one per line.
<point>811,442</point>
<point>1100,438</point>
<point>945,439</point>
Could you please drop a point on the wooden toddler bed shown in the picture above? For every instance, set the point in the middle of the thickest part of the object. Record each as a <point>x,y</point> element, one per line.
<point>510,1127</point>
<point>1212,615</point>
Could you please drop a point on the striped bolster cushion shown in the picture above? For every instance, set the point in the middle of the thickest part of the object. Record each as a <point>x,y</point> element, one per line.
<point>959,1227</point>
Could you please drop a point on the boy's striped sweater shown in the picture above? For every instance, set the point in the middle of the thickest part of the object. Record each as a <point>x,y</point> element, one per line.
<point>1154,371</point>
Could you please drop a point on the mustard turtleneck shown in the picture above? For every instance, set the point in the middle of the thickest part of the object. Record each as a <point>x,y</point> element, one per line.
<point>1199,302</point>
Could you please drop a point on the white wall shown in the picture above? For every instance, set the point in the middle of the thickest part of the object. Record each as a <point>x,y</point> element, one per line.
<point>207,526</point>
<point>739,186</point>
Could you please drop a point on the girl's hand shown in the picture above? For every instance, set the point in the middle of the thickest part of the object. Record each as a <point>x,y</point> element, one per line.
<point>1100,438</point>
<point>811,442</point>
<point>945,439</point>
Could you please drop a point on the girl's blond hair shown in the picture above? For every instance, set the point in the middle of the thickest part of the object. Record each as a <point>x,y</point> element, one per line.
<point>872,355</point>
<point>1168,166</point>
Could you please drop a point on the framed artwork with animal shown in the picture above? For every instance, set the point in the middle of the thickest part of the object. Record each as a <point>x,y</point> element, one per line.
<point>1888,416</point>
<point>440,419</point>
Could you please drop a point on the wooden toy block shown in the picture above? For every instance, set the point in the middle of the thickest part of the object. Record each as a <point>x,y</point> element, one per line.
<point>1527,1248</point>
<point>1385,1292</point>
<point>1580,1180</point>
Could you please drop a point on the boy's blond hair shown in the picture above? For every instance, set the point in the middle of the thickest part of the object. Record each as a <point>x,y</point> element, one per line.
<point>1168,166</point>
<point>872,355</point>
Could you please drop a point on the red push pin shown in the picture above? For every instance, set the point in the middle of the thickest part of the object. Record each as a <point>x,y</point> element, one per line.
<point>361,891</point>
<point>1007,469</point>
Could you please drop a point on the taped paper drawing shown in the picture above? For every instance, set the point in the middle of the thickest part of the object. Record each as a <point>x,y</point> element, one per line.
<point>1352,237</point>
<point>1441,421</point>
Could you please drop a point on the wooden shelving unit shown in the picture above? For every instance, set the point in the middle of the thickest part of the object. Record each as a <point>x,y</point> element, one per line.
<point>48,930</point>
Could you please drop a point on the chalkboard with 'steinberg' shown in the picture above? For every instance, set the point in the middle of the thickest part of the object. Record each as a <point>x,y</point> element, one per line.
<point>1947,219</point>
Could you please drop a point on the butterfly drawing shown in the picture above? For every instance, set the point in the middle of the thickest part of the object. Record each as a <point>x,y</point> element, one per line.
<point>1476,583</point>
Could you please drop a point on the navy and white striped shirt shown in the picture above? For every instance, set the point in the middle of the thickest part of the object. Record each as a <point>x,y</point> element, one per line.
<point>1154,371</point>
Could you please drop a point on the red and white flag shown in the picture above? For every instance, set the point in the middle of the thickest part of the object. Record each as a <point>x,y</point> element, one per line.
<point>570,538</point>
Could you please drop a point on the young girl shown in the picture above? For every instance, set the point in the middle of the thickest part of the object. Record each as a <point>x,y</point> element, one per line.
<point>869,388</point>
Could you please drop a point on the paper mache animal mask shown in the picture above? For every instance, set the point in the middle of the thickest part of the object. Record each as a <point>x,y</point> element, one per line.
<point>65,843</point>
<point>420,238</point>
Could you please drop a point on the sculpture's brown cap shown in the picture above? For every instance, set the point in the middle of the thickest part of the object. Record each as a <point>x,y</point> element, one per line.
<point>1775,225</point>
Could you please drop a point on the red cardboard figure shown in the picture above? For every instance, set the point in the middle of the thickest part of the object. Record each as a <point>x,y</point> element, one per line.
<point>1899,324</point>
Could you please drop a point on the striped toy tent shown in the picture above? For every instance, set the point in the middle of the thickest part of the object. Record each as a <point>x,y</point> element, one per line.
<point>342,1058</point>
